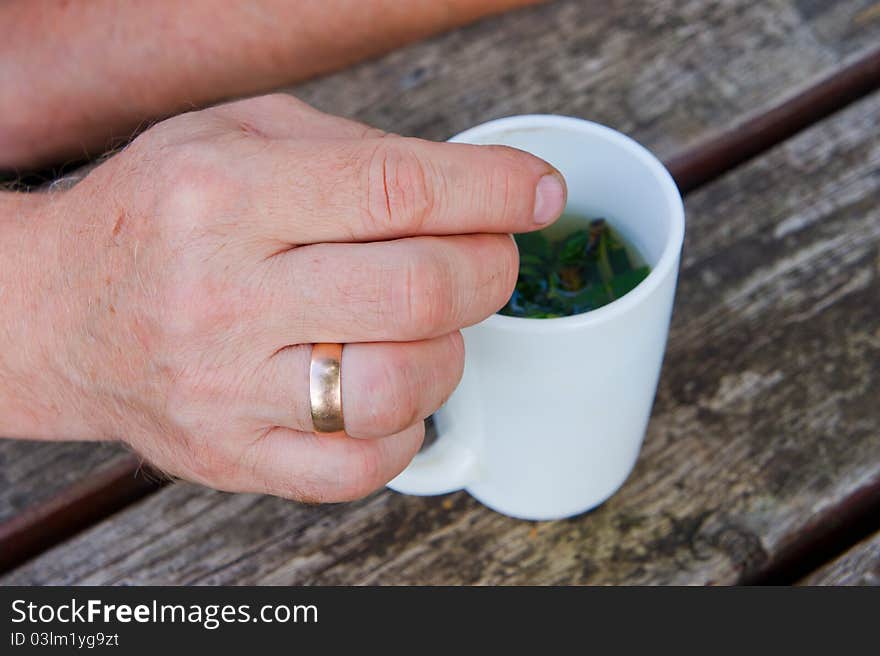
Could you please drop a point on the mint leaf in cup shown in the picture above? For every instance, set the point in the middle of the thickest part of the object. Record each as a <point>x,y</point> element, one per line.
<point>572,271</point>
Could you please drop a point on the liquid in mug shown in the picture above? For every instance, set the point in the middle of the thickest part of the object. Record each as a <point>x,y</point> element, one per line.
<point>574,266</point>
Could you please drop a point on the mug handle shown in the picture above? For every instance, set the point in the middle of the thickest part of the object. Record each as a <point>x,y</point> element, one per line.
<point>448,465</point>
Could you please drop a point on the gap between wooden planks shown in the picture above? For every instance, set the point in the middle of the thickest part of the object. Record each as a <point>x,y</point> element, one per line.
<point>858,566</point>
<point>107,491</point>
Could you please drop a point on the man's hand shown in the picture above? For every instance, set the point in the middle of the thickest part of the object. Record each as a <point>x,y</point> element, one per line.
<point>171,297</point>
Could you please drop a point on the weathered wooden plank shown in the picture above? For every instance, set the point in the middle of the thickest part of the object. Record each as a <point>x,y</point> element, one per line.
<point>32,472</point>
<point>43,523</point>
<point>765,423</point>
<point>820,539</point>
<point>671,74</point>
<point>860,565</point>
<point>720,153</point>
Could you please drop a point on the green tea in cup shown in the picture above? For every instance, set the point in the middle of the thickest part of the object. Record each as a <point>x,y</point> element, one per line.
<point>575,266</point>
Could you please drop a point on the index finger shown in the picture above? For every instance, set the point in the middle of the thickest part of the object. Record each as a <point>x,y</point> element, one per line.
<point>392,187</point>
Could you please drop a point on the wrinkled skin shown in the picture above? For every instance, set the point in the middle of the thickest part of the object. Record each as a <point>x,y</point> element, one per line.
<point>170,298</point>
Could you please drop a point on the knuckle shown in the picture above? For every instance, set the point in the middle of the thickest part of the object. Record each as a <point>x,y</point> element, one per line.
<point>247,116</point>
<point>188,182</point>
<point>423,298</point>
<point>194,190</point>
<point>508,182</point>
<point>497,271</point>
<point>456,355</point>
<point>369,132</point>
<point>280,99</point>
<point>508,268</point>
<point>399,196</point>
<point>509,162</point>
<point>271,102</point>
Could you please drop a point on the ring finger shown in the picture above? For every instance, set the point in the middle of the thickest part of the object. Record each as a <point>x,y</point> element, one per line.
<point>386,386</point>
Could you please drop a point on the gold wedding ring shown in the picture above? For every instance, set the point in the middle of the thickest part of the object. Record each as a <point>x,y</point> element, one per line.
<point>325,389</point>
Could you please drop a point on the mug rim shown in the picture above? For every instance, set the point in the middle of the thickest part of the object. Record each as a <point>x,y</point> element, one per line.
<point>675,208</point>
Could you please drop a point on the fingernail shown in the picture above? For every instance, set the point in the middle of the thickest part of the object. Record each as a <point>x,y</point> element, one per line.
<point>549,198</point>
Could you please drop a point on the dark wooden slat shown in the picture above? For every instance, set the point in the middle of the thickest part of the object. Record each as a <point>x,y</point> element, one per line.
<point>673,75</point>
<point>742,142</point>
<point>33,472</point>
<point>858,566</point>
<point>676,76</point>
<point>87,501</point>
<point>765,424</point>
<point>834,530</point>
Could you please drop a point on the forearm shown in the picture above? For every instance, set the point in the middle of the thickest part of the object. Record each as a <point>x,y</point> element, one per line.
<point>79,76</point>
<point>17,415</point>
<point>28,409</point>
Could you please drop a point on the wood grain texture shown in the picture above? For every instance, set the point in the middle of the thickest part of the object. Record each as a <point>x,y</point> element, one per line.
<point>718,154</point>
<point>585,60</point>
<point>33,472</point>
<point>858,566</point>
<point>91,498</point>
<point>672,74</point>
<point>765,423</point>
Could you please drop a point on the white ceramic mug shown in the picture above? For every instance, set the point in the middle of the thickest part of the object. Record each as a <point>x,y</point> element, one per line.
<point>550,414</point>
